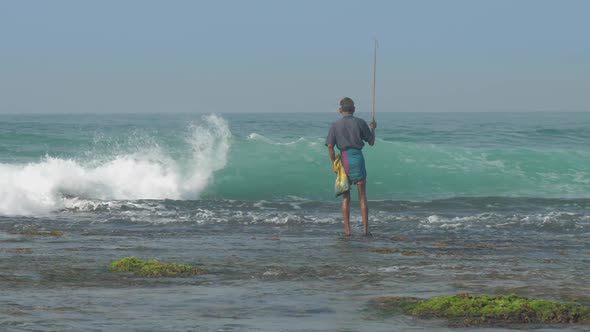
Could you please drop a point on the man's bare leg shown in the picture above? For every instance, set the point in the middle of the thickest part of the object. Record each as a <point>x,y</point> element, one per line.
<point>346,212</point>
<point>362,187</point>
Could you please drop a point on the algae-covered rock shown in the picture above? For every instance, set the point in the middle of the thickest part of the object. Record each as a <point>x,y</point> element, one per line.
<point>127,264</point>
<point>471,309</point>
<point>153,268</point>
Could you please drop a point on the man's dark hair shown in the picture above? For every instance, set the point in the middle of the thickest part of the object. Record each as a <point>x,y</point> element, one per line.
<point>347,105</point>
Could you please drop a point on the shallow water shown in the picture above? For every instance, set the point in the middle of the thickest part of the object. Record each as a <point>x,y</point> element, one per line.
<point>283,265</point>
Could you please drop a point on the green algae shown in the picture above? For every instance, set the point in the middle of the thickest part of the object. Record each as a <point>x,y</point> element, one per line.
<point>469,309</point>
<point>153,268</point>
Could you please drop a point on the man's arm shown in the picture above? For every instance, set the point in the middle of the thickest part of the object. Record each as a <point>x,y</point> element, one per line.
<point>330,142</point>
<point>331,152</point>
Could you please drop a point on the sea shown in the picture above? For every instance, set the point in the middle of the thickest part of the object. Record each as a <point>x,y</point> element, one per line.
<point>483,203</point>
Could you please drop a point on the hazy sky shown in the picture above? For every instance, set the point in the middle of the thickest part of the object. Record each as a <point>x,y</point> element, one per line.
<point>293,56</point>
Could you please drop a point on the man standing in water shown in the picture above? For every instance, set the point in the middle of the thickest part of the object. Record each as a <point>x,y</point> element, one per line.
<point>348,134</point>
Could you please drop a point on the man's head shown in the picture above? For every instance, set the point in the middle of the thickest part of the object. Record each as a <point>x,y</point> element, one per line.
<point>346,105</point>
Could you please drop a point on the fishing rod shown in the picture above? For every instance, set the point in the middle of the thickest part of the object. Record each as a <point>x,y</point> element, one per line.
<point>374,79</point>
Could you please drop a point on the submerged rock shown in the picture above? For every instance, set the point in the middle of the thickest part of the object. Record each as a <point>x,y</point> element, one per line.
<point>469,309</point>
<point>23,251</point>
<point>153,268</point>
<point>394,251</point>
<point>37,232</point>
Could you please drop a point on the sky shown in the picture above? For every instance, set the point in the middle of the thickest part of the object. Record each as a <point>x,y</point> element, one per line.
<point>125,56</point>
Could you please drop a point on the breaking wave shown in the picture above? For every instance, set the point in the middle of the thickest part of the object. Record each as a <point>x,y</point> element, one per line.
<point>148,173</point>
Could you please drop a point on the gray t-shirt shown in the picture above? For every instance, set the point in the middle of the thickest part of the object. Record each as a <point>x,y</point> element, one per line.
<point>349,132</point>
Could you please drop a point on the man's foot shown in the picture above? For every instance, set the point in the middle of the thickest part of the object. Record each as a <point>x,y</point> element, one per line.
<point>368,234</point>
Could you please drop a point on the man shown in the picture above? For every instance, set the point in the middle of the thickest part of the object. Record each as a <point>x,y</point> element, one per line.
<point>349,134</point>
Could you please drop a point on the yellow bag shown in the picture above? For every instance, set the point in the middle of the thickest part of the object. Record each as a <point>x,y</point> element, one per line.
<point>342,185</point>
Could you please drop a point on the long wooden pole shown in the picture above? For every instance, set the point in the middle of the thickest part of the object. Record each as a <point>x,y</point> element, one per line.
<point>374,79</point>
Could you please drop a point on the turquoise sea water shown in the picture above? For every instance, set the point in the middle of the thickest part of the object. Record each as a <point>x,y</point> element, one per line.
<point>489,202</point>
<point>418,156</point>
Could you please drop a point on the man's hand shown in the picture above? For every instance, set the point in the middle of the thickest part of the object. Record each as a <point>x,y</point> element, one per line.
<point>372,125</point>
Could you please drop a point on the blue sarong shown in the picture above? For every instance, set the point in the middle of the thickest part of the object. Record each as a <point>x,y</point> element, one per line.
<point>354,165</point>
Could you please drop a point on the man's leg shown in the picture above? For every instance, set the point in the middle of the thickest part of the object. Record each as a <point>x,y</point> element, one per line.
<point>346,212</point>
<point>362,187</point>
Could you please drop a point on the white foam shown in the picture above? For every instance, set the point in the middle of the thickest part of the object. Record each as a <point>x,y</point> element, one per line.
<point>389,269</point>
<point>211,144</point>
<point>44,186</point>
<point>89,205</point>
<point>262,138</point>
<point>435,219</point>
<point>258,137</point>
<point>271,273</point>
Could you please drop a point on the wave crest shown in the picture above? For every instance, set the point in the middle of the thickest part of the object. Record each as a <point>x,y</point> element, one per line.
<point>150,173</point>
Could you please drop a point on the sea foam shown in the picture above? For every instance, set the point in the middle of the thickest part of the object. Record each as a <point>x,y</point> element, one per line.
<point>150,173</point>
